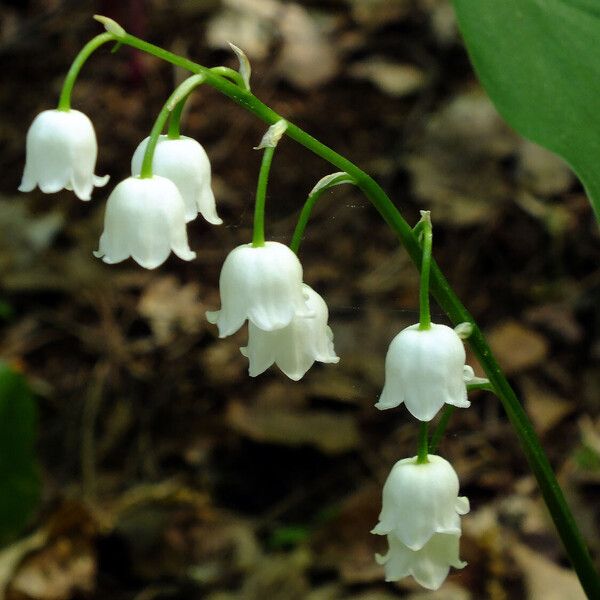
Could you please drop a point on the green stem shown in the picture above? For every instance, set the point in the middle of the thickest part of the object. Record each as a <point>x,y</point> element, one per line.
<point>231,74</point>
<point>174,99</point>
<point>440,428</point>
<point>303,220</point>
<point>484,385</point>
<point>449,410</point>
<point>64,102</point>
<point>422,456</point>
<point>326,183</point>
<point>175,120</point>
<point>444,295</point>
<point>418,228</point>
<point>258,235</point>
<point>427,237</point>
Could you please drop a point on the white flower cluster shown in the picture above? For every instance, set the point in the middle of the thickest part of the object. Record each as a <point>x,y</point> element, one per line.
<point>421,518</point>
<point>424,369</point>
<point>146,219</point>
<point>287,319</point>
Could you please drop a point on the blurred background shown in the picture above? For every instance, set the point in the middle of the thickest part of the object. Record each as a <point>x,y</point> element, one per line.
<point>165,471</point>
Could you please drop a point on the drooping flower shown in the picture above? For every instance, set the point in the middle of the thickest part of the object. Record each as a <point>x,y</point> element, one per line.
<point>420,499</point>
<point>297,346</point>
<point>262,284</point>
<point>185,163</point>
<point>425,369</point>
<point>144,219</point>
<point>429,565</point>
<point>420,515</point>
<point>61,153</point>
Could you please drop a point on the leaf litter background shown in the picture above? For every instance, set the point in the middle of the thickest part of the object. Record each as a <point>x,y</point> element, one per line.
<point>167,471</point>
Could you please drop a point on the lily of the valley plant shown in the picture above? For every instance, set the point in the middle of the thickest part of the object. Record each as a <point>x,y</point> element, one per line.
<point>262,282</point>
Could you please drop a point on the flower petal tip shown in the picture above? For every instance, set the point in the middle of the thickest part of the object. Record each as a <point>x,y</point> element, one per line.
<point>212,316</point>
<point>101,181</point>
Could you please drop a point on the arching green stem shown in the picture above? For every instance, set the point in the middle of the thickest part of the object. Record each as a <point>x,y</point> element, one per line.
<point>175,120</point>
<point>181,92</point>
<point>231,74</point>
<point>418,228</point>
<point>423,443</point>
<point>64,102</point>
<point>426,237</point>
<point>438,432</point>
<point>258,235</point>
<point>446,298</point>
<point>303,220</point>
<point>326,183</point>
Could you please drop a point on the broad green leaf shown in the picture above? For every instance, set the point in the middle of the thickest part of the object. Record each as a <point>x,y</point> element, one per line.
<point>539,60</point>
<point>19,476</point>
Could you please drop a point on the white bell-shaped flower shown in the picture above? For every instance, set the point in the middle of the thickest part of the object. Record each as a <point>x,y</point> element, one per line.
<point>429,565</point>
<point>262,284</point>
<point>185,163</point>
<point>425,369</point>
<point>297,346</point>
<point>144,219</point>
<point>420,500</point>
<point>61,153</point>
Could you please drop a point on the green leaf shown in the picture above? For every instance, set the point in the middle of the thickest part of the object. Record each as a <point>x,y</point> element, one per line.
<point>539,60</point>
<point>19,475</point>
<point>6,310</point>
<point>290,536</point>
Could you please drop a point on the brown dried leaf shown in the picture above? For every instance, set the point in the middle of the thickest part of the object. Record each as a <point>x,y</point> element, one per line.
<point>66,566</point>
<point>543,172</point>
<point>516,347</point>
<point>246,23</point>
<point>345,544</point>
<point>330,432</point>
<point>545,408</point>
<point>170,306</point>
<point>374,596</point>
<point>590,433</point>
<point>23,236</point>
<point>222,363</point>
<point>467,136</point>
<point>443,20</point>
<point>58,572</point>
<point>395,79</point>
<point>12,556</point>
<point>335,385</point>
<point>557,318</point>
<point>279,578</point>
<point>448,591</point>
<point>307,57</point>
<point>183,535</point>
<point>544,579</point>
<point>374,13</point>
